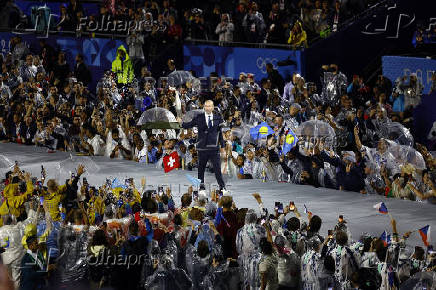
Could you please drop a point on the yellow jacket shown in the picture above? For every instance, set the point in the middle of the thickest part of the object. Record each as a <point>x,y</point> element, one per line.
<point>136,195</point>
<point>53,200</point>
<point>95,205</point>
<point>14,204</point>
<point>297,39</point>
<point>123,69</point>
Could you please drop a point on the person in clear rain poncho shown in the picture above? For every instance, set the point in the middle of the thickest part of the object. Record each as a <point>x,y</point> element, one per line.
<point>247,243</point>
<point>311,265</point>
<point>168,277</point>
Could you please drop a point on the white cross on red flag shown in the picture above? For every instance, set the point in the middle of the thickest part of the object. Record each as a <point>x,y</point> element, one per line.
<point>171,161</point>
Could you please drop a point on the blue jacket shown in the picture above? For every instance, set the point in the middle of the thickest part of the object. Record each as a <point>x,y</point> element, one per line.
<point>207,138</point>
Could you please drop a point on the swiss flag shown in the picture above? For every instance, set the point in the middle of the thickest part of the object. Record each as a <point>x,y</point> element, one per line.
<point>171,161</point>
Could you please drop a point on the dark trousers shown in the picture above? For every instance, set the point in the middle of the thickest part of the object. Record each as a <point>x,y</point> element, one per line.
<point>214,157</point>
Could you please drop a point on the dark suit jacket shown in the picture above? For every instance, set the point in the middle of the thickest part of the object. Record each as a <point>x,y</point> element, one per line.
<point>82,74</point>
<point>12,130</point>
<point>31,277</point>
<point>205,133</point>
<point>31,130</point>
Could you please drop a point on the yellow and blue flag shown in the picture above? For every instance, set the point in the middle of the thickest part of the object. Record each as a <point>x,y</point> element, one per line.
<point>261,131</point>
<point>290,142</point>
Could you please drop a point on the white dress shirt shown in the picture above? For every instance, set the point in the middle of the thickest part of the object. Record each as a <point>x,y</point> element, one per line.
<point>207,119</point>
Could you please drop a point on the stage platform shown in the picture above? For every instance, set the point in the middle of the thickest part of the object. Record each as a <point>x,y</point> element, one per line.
<point>328,204</point>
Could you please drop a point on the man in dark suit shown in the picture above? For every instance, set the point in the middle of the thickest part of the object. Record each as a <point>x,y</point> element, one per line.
<point>209,141</point>
<point>81,72</point>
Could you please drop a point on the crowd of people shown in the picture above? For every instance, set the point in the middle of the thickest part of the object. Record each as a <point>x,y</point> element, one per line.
<point>351,136</point>
<point>79,235</point>
<point>171,21</point>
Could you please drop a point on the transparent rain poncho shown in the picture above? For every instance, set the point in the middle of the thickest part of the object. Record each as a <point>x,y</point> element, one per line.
<point>167,277</point>
<point>242,133</point>
<point>333,87</point>
<point>222,277</point>
<point>190,115</point>
<point>69,165</point>
<point>72,265</point>
<point>421,280</point>
<point>197,267</point>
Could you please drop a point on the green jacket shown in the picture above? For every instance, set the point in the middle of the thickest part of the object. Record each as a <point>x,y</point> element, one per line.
<point>123,69</point>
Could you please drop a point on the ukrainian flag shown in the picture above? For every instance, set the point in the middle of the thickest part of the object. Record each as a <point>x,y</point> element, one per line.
<point>261,131</point>
<point>290,142</point>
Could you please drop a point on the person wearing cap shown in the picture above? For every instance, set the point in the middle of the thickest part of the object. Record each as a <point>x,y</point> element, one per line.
<point>33,267</point>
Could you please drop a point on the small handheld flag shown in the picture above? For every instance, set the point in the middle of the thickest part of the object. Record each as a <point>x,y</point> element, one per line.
<point>381,207</point>
<point>171,161</point>
<point>290,142</point>
<point>425,235</point>
<point>261,131</point>
<point>117,184</point>
<point>306,210</point>
<point>385,238</point>
<point>194,181</point>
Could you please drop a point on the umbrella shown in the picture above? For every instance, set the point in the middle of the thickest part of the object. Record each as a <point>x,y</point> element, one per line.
<point>158,118</point>
<point>398,133</point>
<point>69,165</point>
<point>316,129</point>
<point>179,77</point>
<point>406,154</point>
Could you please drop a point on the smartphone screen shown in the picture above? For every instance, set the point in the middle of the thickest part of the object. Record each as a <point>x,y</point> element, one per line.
<point>280,208</point>
<point>291,205</point>
<point>276,205</point>
<point>41,200</point>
